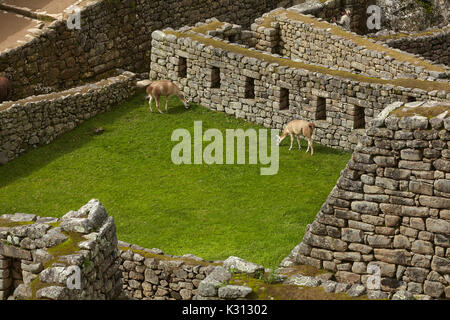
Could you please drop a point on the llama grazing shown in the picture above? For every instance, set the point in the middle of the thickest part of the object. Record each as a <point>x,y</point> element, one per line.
<point>297,128</point>
<point>164,88</point>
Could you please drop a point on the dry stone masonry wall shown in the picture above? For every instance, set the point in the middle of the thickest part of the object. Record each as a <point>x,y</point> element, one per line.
<point>270,90</point>
<point>38,120</point>
<point>226,31</point>
<point>40,255</point>
<point>113,34</point>
<point>432,45</point>
<point>327,10</point>
<point>322,43</point>
<point>149,274</point>
<point>390,207</point>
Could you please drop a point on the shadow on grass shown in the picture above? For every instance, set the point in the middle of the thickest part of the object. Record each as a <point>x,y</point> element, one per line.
<point>178,109</point>
<point>318,148</point>
<point>37,158</point>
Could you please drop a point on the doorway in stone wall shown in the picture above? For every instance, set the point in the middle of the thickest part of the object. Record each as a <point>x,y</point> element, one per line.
<point>10,276</point>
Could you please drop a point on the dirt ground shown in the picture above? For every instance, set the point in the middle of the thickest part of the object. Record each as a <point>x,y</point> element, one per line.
<point>13,28</point>
<point>50,6</point>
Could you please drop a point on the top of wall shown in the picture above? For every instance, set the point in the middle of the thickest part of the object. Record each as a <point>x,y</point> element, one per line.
<point>46,16</point>
<point>431,33</point>
<point>277,61</point>
<point>90,87</point>
<point>46,7</point>
<point>429,110</point>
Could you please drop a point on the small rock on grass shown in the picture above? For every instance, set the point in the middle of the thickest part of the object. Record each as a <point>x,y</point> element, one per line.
<point>403,295</point>
<point>242,266</point>
<point>234,292</point>
<point>377,294</point>
<point>329,286</point>
<point>356,290</point>
<point>342,287</point>
<point>305,281</point>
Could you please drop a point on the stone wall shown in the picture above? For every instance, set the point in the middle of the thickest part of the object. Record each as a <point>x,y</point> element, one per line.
<point>39,257</point>
<point>327,10</point>
<point>113,34</point>
<point>38,120</point>
<point>149,274</point>
<point>389,208</point>
<point>319,42</point>
<point>370,221</point>
<point>43,258</point>
<point>434,46</point>
<point>413,15</point>
<point>270,90</point>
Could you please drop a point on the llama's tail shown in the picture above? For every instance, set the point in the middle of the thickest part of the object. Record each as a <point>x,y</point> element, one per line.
<point>148,90</point>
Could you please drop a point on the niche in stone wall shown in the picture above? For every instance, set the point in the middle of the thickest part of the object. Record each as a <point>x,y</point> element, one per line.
<point>182,67</point>
<point>284,99</point>
<point>215,77</point>
<point>359,121</point>
<point>231,38</point>
<point>321,108</point>
<point>249,88</point>
<point>410,99</point>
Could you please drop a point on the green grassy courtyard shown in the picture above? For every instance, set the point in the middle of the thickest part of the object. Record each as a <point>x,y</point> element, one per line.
<point>212,211</point>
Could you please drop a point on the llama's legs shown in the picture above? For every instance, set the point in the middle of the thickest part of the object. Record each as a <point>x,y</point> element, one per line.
<point>158,101</point>
<point>298,141</point>
<point>150,100</point>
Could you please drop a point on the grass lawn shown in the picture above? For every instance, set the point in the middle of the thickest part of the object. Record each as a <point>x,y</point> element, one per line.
<point>213,211</point>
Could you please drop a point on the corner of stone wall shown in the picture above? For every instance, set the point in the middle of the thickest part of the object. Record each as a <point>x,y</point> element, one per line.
<point>388,214</point>
<point>19,131</point>
<point>72,258</point>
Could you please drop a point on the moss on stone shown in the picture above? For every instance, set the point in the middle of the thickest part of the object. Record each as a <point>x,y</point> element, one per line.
<point>68,247</point>
<point>270,17</point>
<point>279,291</point>
<point>426,5</point>
<point>305,270</point>
<point>55,224</point>
<point>208,27</point>
<point>155,256</point>
<point>429,112</point>
<point>5,223</point>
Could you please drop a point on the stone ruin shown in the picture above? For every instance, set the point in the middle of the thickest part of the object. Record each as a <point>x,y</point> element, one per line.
<point>389,210</point>
<point>38,255</point>
<point>388,214</point>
